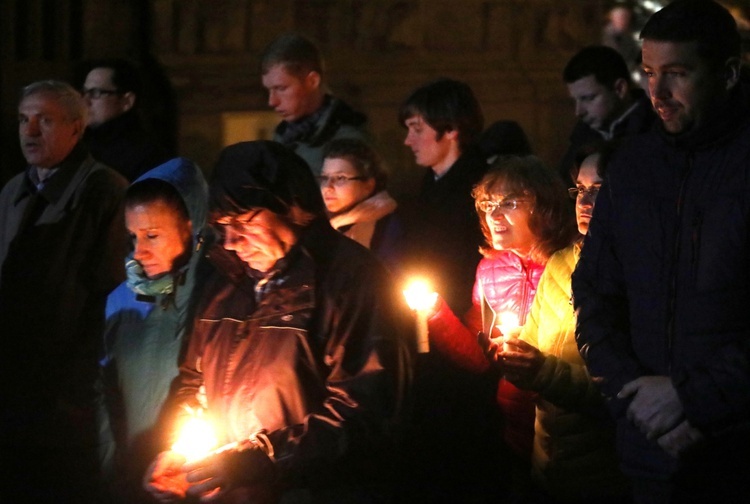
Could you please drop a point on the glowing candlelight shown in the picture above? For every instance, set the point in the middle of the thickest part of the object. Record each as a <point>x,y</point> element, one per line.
<point>509,326</point>
<point>421,298</point>
<point>196,439</point>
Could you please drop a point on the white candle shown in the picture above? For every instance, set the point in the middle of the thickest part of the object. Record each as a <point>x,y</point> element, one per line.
<point>509,327</point>
<point>421,298</point>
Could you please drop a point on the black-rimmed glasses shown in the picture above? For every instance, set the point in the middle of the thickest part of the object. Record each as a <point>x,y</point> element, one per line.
<point>581,191</point>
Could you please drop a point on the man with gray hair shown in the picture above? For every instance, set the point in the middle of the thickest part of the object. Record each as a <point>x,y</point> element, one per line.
<point>62,241</point>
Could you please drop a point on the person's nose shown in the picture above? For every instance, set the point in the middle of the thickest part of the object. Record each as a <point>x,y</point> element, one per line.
<point>273,99</point>
<point>30,128</point>
<point>659,87</point>
<point>141,250</point>
<point>408,141</point>
<point>580,110</point>
<point>230,238</point>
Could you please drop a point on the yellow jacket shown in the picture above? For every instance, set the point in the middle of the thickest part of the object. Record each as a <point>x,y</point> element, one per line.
<point>574,445</point>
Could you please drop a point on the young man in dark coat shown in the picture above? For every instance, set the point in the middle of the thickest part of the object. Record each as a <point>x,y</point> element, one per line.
<point>662,285</point>
<point>608,104</point>
<point>293,74</point>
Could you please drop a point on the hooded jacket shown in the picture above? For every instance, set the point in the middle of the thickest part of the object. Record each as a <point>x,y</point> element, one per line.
<point>306,359</point>
<point>146,322</point>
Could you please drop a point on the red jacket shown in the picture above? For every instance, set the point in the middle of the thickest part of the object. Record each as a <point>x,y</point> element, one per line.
<point>509,284</point>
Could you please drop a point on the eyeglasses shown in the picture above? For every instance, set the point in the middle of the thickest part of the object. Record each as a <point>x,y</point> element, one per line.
<point>96,93</point>
<point>581,191</point>
<point>336,180</point>
<point>505,206</point>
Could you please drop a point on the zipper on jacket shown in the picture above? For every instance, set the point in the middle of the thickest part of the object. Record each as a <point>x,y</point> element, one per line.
<point>676,260</point>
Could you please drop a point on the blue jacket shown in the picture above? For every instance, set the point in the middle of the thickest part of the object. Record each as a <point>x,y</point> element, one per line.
<point>663,281</point>
<point>143,339</point>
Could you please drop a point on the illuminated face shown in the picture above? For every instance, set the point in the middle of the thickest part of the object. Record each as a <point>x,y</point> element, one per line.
<point>342,186</point>
<point>160,237</point>
<point>682,86</point>
<point>46,132</point>
<point>429,151</point>
<point>595,104</point>
<point>110,103</point>
<point>588,183</point>
<point>291,96</point>
<point>259,237</point>
<point>509,227</point>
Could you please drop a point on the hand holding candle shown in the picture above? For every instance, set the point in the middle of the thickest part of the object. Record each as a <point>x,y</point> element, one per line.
<point>509,327</point>
<point>421,298</point>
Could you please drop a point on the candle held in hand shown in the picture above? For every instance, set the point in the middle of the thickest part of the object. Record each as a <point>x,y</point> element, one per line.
<point>421,298</point>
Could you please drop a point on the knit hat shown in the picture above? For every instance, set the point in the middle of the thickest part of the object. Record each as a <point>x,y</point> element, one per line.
<point>263,174</point>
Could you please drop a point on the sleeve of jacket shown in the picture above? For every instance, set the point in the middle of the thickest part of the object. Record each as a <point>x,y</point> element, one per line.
<point>600,301</point>
<point>457,339</point>
<point>565,384</point>
<point>110,414</point>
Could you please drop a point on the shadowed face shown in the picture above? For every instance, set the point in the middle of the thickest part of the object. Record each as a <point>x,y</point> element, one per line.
<point>160,237</point>
<point>588,183</point>
<point>259,237</point>
<point>342,186</point>
<point>684,88</point>
<point>46,132</point>
<point>292,97</point>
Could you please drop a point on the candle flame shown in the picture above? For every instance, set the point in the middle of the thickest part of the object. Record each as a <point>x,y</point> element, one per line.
<point>508,320</point>
<point>196,439</point>
<point>419,295</point>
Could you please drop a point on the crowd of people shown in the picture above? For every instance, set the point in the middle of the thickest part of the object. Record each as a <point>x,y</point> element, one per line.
<point>593,352</point>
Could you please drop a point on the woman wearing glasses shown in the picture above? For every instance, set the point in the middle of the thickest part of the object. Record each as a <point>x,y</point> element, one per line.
<point>525,218</point>
<point>353,185</point>
<point>573,458</point>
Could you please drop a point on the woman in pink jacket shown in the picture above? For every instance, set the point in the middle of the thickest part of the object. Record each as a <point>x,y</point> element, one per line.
<point>525,217</point>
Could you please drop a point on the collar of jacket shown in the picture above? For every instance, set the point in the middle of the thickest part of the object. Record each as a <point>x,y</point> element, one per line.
<point>55,186</point>
<point>315,128</point>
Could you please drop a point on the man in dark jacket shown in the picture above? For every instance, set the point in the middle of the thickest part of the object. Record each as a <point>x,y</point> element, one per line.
<point>662,285</point>
<point>296,354</point>
<point>115,132</point>
<point>607,103</point>
<point>292,70</point>
<point>62,242</point>
<point>444,120</point>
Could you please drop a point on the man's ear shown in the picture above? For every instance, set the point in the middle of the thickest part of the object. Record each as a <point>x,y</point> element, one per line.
<point>312,80</point>
<point>731,72</point>
<point>451,134</point>
<point>621,87</point>
<point>128,101</point>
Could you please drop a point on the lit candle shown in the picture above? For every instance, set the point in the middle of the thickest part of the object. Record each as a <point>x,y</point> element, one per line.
<point>509,327</point>
<point>196,439</point>
<point>421,298</point>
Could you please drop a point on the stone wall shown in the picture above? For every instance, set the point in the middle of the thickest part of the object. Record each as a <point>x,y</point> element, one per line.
<point>510,51</point>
